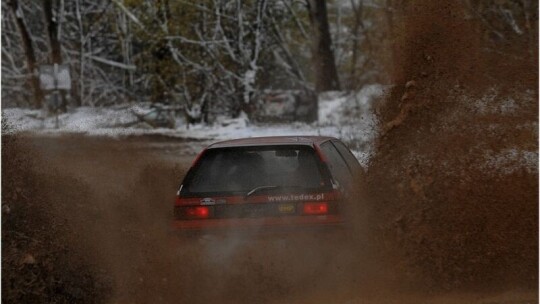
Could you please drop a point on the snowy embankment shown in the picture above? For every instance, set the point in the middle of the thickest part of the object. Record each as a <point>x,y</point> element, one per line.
<point>347,116</point>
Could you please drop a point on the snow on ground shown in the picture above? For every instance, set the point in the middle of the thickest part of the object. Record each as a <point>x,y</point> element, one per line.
<point>80,120</point>
<point>347,116</point>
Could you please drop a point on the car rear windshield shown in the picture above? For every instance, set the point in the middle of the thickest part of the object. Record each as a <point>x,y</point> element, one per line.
<point>242,169</point>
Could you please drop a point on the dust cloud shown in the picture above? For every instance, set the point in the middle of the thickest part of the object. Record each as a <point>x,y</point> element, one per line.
<point>114,200</point>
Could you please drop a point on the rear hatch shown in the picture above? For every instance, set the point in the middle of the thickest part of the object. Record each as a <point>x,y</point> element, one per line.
<point>256,182</point>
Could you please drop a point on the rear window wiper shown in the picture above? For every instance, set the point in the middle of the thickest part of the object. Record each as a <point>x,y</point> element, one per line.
<point>257,189</point>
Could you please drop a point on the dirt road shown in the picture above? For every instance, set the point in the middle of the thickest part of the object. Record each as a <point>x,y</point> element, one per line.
<point>116,197</point>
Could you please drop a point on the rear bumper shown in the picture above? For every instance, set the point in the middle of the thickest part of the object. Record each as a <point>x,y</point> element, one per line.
<point>252,223</point>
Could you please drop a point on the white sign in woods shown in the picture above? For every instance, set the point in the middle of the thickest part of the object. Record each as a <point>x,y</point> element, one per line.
<point>55,77</point>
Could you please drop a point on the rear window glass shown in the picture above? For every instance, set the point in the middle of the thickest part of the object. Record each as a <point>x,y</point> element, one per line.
<point>243,169</point>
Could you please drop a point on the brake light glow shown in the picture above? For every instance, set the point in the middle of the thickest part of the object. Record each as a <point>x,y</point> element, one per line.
<point>315,208</point>
<point>197,212</point>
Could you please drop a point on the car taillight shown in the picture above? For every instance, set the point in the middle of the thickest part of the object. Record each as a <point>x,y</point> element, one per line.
<point>315,208</point>
<point>196,212</point>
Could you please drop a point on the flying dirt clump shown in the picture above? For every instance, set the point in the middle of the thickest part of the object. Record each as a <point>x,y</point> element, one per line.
<point>454,181</point>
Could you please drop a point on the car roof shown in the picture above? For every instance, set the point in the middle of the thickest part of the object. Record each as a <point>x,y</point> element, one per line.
<point>271,140</point>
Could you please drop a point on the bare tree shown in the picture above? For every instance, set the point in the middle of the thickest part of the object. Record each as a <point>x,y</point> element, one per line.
<point>358,22</point>
<point>210,57</point>
<point>326,78</point>
<point>29,52</point>
<point>52,22</point>
<point>223,52</point>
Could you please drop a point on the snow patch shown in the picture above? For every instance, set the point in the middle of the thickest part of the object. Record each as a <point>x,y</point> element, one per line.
<point>345,115</point>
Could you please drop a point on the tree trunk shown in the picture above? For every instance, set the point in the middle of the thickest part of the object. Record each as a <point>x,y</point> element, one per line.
<point>51,20</point>
<point>29,52</point>
<point>79,88</point>
<point>52,31</point>
<point>326,78</point>
<point>358,22</point>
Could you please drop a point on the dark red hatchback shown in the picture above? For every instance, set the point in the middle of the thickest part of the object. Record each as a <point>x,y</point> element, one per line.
<point>267,181</point>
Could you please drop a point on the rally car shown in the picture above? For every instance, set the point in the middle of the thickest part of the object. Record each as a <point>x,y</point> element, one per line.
<point>267,181</point>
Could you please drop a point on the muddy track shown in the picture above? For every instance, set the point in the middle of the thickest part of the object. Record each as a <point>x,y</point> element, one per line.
<point>114,199</point>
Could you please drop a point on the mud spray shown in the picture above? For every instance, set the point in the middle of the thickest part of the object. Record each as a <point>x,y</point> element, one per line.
<point>440,208</point>
<point>451,188</point>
